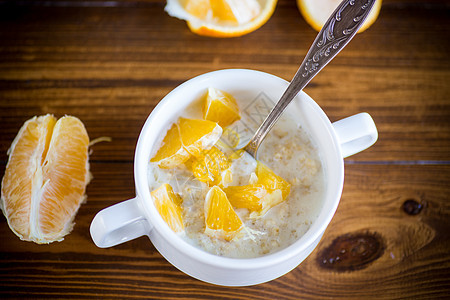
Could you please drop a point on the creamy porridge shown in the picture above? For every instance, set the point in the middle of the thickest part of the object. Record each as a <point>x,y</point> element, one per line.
<point>290,153</point>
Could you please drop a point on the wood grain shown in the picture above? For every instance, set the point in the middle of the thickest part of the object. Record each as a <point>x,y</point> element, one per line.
<point>414,260</point>
<point>110,63</point>
<point>132,57</point>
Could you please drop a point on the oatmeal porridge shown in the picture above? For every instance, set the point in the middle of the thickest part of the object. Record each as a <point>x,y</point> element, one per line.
<point>288,151</point>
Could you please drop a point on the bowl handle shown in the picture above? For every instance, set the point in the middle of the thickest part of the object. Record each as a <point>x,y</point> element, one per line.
<point>355,133</point>
<point>119,223</point>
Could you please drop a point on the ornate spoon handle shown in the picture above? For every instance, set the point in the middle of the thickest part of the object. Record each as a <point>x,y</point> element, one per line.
<point>339,29</point>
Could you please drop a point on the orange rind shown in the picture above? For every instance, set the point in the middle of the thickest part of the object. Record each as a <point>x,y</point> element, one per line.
<point>317,12</point>
<point>222,18</point>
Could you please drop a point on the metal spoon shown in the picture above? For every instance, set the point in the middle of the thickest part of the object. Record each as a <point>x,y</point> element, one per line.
<point>339,29</point>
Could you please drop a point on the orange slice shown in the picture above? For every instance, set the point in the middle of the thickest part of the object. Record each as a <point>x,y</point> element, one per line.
<point>317,12</point>
<point>272,181</point>
<point>255,197</point>
<point>220,218</point>
<point>168,204</point>
<point>246,196</point>
<point>198,136</point>
<point>222,18</point>
<point>171,153</point>
<point>265,191</point>
<point>220,107</point>
<point>209,166</point>
<point>46,178</point>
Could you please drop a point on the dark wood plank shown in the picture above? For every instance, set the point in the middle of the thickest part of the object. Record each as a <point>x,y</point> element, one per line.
<point>112,65</point>
<point>413,260</point>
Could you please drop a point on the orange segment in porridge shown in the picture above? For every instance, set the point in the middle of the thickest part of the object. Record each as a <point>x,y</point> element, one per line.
<point>209,166</point>
<point>168,204</point>
<point>246,196</point>
<point>270,200</point>
<point>220,107</point>
<point>220,218</point>
<point>171,153</point>
<point>255,197</point>
<point>265,191</point>
<point>198,135</point>
<point>272,181</point>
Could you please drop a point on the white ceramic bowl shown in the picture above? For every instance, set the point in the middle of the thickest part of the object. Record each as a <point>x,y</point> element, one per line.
<point>136,217</point>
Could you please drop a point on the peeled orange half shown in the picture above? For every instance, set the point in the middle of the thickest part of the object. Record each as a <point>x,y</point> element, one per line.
<point>317,12</point>
<point>222,18</point>
<point>45,178</point>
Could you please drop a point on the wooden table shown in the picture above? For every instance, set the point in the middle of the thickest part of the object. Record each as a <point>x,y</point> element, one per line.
<point>109,63</point>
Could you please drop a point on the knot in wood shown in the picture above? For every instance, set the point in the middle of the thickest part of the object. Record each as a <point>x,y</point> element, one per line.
<point>412,207</point>
<point>351,252</point>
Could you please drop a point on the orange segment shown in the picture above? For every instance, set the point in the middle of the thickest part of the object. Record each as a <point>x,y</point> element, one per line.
<point>198,135</point>
<point>222,18</point>
<point>220,218</point>
<point>209,166</point>
<point>265,191</point>
<point>220,107</point>
<point>317,12</point>
<point>168,204</point>
<point>171,153</point>
<point>65,170</point>
<point>246,196</point>
<point>272,199</point>
<point>254,197</point>
<point>272,181</point>
<point>45,178</point>
<point>25,157</point>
